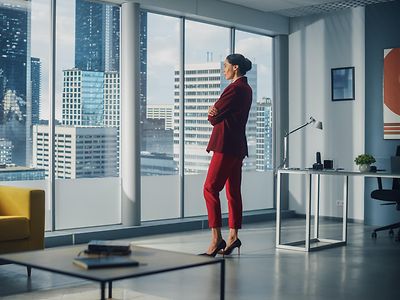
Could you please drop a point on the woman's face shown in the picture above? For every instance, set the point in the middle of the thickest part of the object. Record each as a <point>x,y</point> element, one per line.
<point>230,71</point>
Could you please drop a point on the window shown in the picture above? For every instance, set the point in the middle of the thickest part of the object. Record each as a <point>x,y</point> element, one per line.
<point>205,54</point>
<point>24,52</point>
<point>257,177</point>
<point>87,65</point>
<point>258,49</point>
<point>159,53</point>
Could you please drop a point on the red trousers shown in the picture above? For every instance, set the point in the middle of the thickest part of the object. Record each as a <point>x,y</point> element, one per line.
<point>224,170</point>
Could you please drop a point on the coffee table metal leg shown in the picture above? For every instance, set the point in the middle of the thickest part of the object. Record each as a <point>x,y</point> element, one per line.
<point>103,290</point>
<point>110,289</point>
<point>222,287</point>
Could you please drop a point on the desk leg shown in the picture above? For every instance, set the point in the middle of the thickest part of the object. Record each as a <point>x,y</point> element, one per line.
<point>278,209</point>
<point>103,290</point>
<point>222,283</point>
<point>110,289</point>
<point>308,211</point>
<point>316,208</point>
<point>345,207</point>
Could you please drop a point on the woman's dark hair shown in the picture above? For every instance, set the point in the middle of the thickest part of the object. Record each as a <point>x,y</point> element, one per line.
<point>242,62</point>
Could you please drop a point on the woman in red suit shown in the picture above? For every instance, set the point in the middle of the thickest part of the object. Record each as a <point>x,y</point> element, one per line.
<point>229,145</point>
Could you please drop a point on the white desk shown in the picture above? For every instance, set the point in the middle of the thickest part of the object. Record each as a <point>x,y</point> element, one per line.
<point>317,243</point>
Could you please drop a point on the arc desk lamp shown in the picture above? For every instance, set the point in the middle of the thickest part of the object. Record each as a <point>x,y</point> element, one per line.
<point>316,124</point>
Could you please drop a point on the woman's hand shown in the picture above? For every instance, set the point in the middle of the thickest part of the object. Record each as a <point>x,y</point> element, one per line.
<point>212,111</point>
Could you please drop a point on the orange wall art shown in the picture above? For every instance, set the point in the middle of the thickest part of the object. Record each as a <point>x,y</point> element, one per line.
<point>391,94</point>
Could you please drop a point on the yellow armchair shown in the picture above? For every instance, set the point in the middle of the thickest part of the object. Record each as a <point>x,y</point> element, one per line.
<point>21,219</point>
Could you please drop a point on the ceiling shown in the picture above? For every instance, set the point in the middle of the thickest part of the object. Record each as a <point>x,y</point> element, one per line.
<point>298,8</point>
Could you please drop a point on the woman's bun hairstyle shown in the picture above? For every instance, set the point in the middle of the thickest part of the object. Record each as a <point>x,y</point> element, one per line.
<point>242,62</point>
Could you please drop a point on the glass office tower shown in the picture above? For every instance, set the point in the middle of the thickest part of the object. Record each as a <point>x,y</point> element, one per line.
<point>36,67</point>
<point>14,76</point>
<point>83,98</point>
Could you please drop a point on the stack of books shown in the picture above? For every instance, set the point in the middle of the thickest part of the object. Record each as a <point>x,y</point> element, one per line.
<point>106,254</point>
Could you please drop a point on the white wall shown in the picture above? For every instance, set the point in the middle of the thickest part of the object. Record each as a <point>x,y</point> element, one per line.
<point>317,44</point>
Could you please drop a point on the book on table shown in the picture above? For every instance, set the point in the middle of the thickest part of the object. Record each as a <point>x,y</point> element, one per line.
<point>109,247</point>
<point>108,261</point>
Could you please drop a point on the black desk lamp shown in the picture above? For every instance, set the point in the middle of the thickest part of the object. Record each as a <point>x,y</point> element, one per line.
<point>316,124</point>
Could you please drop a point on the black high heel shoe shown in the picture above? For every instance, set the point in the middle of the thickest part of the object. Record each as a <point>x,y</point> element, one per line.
<point>236,244</point>
<point>221,246</point>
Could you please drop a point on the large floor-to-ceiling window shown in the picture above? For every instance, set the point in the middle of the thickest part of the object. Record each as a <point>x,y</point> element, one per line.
<point>204,82</point>
<point>159,36</point>
<point>258,176</point>
<point>202,53</point>
<point>87,116</point>
<point>180,77</point>
<point>24,62</point>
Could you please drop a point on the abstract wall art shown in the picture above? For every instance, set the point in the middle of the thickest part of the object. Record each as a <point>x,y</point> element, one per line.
<point>391,94</point>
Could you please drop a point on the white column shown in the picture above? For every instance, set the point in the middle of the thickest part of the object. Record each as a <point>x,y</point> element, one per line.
<point>130,114</point>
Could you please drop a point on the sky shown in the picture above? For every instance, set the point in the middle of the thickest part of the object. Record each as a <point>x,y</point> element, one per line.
<point>40,46</point>
<point>162,47</point>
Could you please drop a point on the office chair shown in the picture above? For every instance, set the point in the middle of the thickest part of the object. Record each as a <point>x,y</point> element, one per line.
<point>392,196</point>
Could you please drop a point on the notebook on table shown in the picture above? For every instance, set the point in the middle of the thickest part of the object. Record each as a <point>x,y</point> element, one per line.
<point>105,262</point>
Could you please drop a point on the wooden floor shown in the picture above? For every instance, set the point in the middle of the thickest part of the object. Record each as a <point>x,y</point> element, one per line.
<point>364,269</point>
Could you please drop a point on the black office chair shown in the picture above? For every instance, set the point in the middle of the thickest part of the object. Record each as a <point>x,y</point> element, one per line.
<point>392,195</point>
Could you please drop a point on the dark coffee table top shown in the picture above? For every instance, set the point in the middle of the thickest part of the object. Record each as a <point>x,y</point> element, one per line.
<point>151,261</point>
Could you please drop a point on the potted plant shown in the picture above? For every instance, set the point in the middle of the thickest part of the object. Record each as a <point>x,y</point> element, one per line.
<point>364,162</point>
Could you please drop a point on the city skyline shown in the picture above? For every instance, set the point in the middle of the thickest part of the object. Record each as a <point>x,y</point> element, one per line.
<point>96,48</point>
<point>161,51</point>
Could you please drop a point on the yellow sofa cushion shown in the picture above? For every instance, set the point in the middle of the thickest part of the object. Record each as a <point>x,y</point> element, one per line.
<point>13,228</point>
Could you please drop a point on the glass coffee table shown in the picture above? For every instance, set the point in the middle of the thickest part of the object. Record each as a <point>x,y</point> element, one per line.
<point>151,261</point>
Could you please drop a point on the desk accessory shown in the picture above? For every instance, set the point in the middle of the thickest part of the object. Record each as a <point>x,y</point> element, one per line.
<point>328,164</point>
<point>316,124</point>
<point>318,165</point>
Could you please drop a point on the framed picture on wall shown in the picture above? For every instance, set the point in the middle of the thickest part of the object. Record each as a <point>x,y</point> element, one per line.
<point>342,84</point>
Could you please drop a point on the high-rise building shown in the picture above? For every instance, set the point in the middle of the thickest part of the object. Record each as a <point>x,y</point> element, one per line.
<point>204,83</point>
<point>14,76</point>
<point>5,151</point>
<point>111,37</point>
<point>35,85</point>
<point>97,36</point>
<point>161,112</point>
<point>111,99</point>
<point>97,44</point>
<point>83,98</point>
<point>264,135</point>
<point>143,67</point>
<point>80,152</point>
<point>91,98</point>
<point>89,36</point>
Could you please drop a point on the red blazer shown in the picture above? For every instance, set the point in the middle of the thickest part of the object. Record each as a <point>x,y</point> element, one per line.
<point>229,132</point>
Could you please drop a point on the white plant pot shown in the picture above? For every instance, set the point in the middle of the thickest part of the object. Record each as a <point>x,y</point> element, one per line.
<point>364,168</point>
